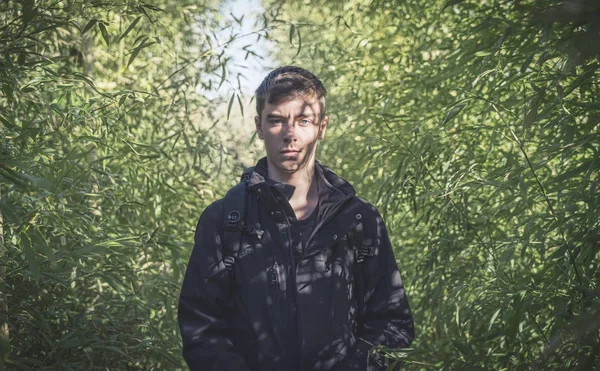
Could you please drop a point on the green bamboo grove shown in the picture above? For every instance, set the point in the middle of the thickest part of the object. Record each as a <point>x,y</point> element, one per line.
<point>472,125</point>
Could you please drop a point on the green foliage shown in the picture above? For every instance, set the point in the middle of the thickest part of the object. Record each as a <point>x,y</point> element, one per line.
<point>474,127</point>
<point>107,160</point>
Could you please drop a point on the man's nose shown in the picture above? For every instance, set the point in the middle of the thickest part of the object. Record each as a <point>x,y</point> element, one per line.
<point>290,133</point>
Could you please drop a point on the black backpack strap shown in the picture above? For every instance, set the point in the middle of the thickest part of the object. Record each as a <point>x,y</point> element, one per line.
<point>356,236</point>
<point>235,215</point>
<point>235,225</point>
<point>361,251</point>
<point>235,208</point>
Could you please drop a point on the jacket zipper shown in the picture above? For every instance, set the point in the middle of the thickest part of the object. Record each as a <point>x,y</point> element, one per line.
<point>294,286</point>
<point>336,209</point>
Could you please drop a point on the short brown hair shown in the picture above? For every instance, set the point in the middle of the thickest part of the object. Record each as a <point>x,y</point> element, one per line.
<point>287,83</point>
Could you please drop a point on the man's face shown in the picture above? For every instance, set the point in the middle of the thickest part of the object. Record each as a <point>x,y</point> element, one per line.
<point>290,130</point>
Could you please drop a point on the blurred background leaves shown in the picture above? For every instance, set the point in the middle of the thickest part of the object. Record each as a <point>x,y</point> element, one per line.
<point>472,125</point>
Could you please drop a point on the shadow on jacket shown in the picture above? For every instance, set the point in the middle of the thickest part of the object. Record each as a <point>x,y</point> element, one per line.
<point>322,311</point>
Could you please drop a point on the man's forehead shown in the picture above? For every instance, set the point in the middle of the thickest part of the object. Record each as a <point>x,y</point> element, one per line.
<point>306,106</point>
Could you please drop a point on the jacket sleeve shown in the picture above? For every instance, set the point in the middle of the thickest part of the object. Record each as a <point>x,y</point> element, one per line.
<point>386,319</point>
<point>205,331</point>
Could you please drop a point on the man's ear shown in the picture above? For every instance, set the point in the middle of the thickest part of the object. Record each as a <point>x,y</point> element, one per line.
<point>323,127</point>
<point>259,131</point>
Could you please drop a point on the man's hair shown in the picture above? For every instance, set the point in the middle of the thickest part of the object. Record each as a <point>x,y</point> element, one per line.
<point>287,83</point>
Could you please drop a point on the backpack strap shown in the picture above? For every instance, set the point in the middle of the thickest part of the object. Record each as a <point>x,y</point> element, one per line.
<point>235,205</point>
<point>360,253</point>
<point>235,209</point>
<point>235,225</point>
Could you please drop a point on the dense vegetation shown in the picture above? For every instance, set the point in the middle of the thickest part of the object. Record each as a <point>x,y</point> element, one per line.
<point>106,164</point>
<point>472,125</point>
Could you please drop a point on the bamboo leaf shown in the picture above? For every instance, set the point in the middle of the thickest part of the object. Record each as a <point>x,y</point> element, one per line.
<point>494,316</point>
<point>130,28</point>
<point>299,43</point>
<point>28,11</point>
<point>223,74</point>
<point>230,105</point>
<point>240,104</point>
<point>482,75</point>
<point>532,114</point>
<point>104,32</point>
<point>292,31</point>
<point>580,80</point>
<point>89,25</point>
<point>152,7</point>
<point>137,50</point>
<point>31,257</point>
<point>454,111</point>
<point>450,3</point>
<point>483,53</point>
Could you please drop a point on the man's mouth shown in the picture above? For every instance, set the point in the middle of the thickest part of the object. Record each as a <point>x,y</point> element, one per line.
<point>286,151</point>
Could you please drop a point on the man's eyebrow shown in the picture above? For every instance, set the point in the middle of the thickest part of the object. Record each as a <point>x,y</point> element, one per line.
<point>279,115</point>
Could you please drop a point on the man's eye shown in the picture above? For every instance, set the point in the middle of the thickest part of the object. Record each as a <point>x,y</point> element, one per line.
<point>275,121</point>
<point>305,122</point>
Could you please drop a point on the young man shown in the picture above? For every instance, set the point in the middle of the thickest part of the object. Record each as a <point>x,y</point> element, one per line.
<point>313,284</point>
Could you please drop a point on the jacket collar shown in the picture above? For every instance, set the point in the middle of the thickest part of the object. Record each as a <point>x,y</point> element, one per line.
<point>332,188</point>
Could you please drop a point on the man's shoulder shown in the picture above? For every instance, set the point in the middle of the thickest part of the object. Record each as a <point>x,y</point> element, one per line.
<point>367,209</point>
<point>216,206</point>
<point>231,200</point>
<point>215,210</point>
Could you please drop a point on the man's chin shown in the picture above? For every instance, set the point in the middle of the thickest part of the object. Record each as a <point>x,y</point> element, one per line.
<point>289,168</point>
<point>290,165</point>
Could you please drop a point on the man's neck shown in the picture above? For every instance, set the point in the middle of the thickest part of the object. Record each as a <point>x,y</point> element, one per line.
<point>301,179</point>
<point>305,197</point>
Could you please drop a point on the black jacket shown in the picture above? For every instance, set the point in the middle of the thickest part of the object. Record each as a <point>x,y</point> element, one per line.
<point>332,330</point>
